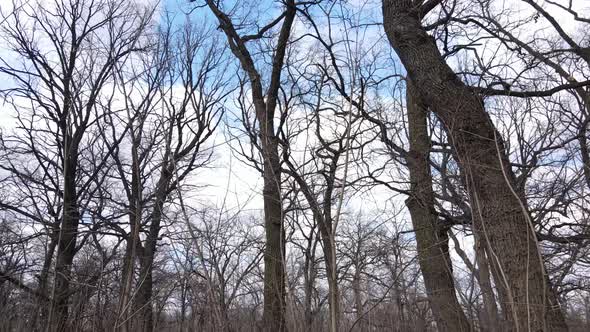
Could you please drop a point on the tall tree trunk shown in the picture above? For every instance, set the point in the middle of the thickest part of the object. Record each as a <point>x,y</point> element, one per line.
<point>143,307</point>
<point>265,106</point>
<point>432,240</point>
<point>274,251</point>
<point>332,276</point>
<point>132,243</point>
<point>131,246</point>
<point>143,301</point>
<point>66,249</point>
<point>123,322</point>
<point>323,218</point>
<point>500,216</point>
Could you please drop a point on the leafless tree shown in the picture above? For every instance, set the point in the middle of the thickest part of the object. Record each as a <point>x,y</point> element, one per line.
<point>67,53</point>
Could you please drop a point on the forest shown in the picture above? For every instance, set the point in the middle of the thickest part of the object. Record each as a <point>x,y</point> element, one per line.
<point>295,165</point>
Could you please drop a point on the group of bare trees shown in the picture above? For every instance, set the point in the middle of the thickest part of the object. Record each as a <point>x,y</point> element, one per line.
<point>423,165</point>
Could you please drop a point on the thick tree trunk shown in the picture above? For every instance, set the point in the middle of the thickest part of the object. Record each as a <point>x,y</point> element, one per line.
<point>432,241</point>
<point>500,215</point>
<point>66,249</point>
<point>143,307</point>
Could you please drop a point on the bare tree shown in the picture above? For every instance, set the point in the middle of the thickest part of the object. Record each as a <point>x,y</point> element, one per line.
<point>265,102</point>
<point>439,185</point>
<point>68,53</point>
<point>500,214</point>
<point>438,279</point>
<point>172,101</point>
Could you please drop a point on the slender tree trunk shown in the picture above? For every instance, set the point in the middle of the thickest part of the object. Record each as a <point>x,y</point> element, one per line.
<point>41,316</point>
<point>501,217</point>
<point>491,320</point>
<point>584,153</point>
<point>265,106</point>
<point>432,241</point>
<point>587,310</point>
<point>122,321</point>
<point>322,212</point>
<point>399,305</point>
<point>132,243</point>
<point>333,292</point>
<point>183,302</point>
<point>309,281</point>
<point>274,251</point>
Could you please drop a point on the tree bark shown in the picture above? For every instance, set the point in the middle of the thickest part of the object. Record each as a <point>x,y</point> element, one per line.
<point>42,308</point>
<point>500,216</point>
<point>432,240</point>
<point>322,212</point>
<point>143,301</point>
<point>132,243</point>
<point>309,278</point>
<point>143,308</point>
<point>274,274</point>
<point>66,249</point>
<point>332,276</point>
<point>265,105</point>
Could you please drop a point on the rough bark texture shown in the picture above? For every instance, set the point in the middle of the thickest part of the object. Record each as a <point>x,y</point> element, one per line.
<point>500,216</point>
<point>432,241</point>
